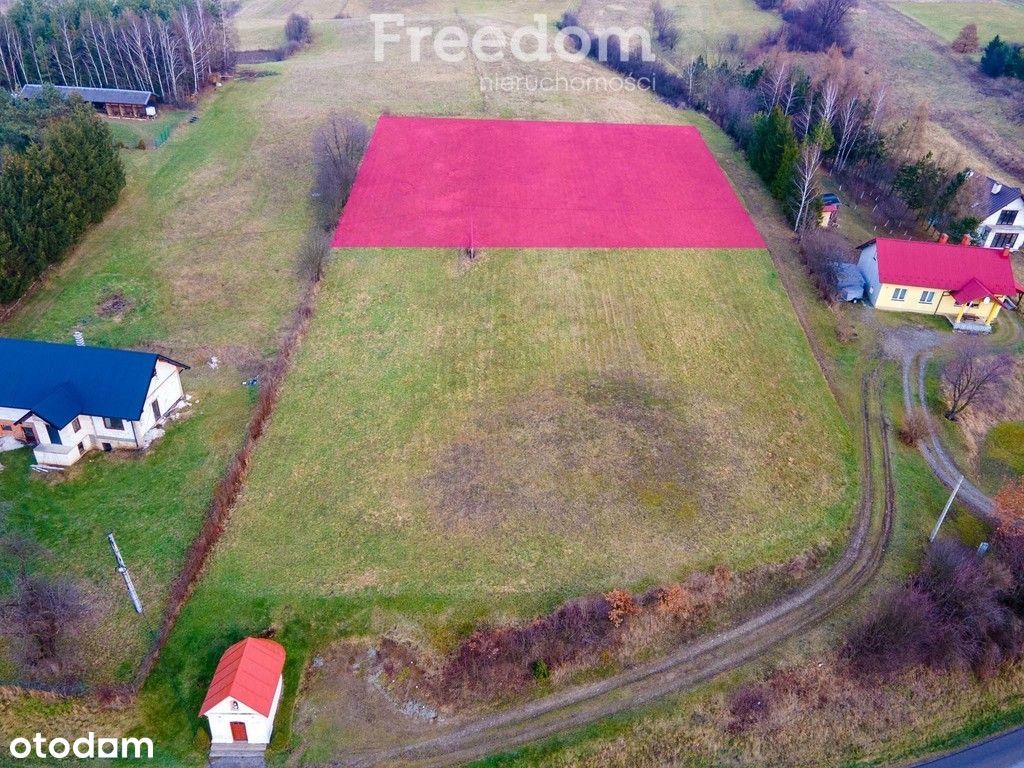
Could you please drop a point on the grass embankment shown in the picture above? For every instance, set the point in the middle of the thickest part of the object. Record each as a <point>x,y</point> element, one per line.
<point>201,253</point>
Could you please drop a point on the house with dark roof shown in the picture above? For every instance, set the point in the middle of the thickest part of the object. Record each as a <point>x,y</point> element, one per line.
<point>243,696</point>
<point>115,102</point>
<point>1002,217</point>
<point>67,400</point>
<point>964,283</point>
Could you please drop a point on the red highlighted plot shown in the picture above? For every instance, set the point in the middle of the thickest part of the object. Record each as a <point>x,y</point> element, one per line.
<point>440,182</point>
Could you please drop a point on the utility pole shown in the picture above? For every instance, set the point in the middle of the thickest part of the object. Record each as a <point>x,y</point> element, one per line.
<point>123,570</point>
<point>945,510</point>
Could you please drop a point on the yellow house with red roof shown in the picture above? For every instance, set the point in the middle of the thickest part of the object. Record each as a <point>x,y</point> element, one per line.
<point>964,283</point>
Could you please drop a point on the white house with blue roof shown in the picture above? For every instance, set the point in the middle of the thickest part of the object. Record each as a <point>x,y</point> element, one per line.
<point>67,400</point>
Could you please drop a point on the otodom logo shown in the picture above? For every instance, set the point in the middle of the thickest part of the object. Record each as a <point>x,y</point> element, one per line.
<point>87,747</point>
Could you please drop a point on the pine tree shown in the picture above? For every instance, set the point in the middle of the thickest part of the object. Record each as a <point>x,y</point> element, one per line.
<point>996,57</point>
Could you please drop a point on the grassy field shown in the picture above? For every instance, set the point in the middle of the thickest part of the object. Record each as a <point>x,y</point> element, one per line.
<point>946,19</point>
<point>1002,457</point>
<point>838,724</point>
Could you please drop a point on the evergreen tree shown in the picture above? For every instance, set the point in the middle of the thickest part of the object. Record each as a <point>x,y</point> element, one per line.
<point>996,57</point>
<point>769,140</point>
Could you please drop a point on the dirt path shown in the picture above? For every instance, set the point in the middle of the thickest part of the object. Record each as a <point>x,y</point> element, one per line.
<point>938,459</point>
<point>693,663</point>
<point>914,347</point>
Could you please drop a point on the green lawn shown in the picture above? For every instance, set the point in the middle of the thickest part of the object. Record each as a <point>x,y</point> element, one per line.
<point>129,133</point>
<point>1002,456</point>
<point>946,19</point>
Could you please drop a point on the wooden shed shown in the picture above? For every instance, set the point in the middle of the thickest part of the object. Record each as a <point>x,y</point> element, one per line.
<point>115,102</point>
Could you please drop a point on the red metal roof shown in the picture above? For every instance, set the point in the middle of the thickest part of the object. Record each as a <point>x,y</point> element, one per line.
<point>249,672</point>
<point>964,269</point>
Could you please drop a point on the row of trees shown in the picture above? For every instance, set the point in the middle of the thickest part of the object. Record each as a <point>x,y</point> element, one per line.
<point>59,173</point>
<point>1003,59</point>
<point>169,47</point>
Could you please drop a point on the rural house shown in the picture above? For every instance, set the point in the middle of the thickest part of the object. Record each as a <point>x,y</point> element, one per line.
<point>1002,218</point>
<point>115,102</point>
<point>964,283</point>
<point>67,400</point>
<point>243,697</point>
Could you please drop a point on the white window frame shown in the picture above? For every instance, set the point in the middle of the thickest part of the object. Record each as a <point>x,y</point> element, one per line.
<point>899,294</point>
<point>927,297</point>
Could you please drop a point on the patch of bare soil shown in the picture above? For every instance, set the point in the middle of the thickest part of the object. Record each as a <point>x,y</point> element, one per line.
<point>558,458</point>
<point>115,304</point>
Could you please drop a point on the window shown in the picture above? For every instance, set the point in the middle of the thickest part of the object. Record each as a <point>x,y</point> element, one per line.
<point>1004,240</point>
<point>1007,217</point>
<point>76,426</point>
<point>899,294</point>
<point>927,297</point>
<point>8,428</point>
<point>117,424</point>
<point>81,447</point>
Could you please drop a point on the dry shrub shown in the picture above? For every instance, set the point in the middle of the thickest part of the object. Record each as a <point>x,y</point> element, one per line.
<point>957,612</point>
<point>674,601</point>
<point>499,661</point>
<point>915,427</point>
<point>621,606</point>
<point>749,704</point>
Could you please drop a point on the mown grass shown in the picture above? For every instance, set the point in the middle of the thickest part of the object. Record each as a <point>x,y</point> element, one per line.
<point>153,503</point>
<point>946,19</point>
<point>128,133</point>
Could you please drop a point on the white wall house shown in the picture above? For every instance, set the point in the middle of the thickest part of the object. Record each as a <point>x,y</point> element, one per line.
<point>1002,224</point>
<point>67,400</point>
<point>244,695</point>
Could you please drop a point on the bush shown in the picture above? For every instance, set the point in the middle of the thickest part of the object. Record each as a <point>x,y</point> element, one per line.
<point>957,612</point>
<point>297,29</point>
<point>503,660</point>
<point>663,23</point>
<point>967,40</point>
<point>749,704</point>
<point>42,621</point>
<point>822,250</point>
<point>819,25</point>
<point>914,428</point>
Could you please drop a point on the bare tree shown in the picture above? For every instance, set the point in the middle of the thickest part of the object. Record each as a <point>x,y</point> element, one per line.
<point>806,180</point>
<point>663,24</point>
<point>974,377</point>
<point>338,147</point>
<point>42,621</point>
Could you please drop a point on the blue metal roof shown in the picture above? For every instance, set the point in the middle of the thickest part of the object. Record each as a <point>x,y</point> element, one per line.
<point>61,381</point>
<point>998,200</point>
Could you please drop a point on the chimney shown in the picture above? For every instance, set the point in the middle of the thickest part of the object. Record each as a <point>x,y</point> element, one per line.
<point>943,238</point>
<point>1006,253</point>
<point>965,240</point>
<point>997,188</point>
